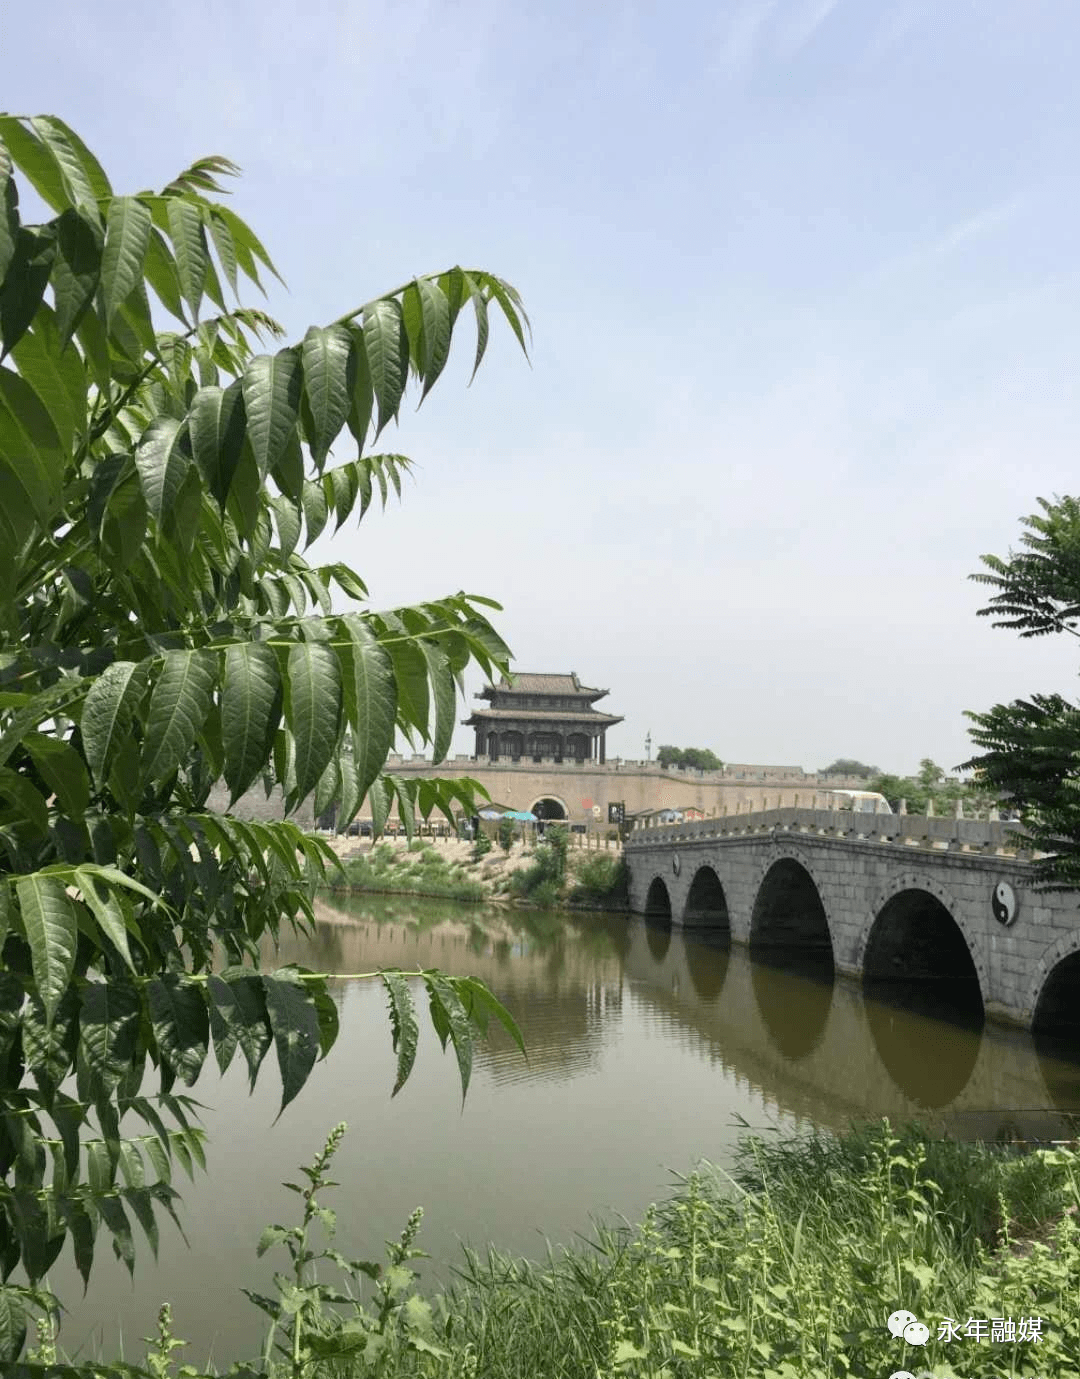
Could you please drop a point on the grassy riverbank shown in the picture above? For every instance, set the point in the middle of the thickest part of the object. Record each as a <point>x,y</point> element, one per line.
<point>788,1269</point>
<point>546,876</point>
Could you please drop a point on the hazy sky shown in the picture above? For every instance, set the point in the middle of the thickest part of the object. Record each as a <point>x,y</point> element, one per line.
<point>804,289</point>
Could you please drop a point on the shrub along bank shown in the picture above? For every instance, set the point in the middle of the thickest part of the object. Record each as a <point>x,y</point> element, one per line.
<point>787,1269</point>
<point>548,876</point>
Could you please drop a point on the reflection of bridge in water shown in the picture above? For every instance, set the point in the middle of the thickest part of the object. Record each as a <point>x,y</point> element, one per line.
<point>810,1048</point>
<point>818,1050</point>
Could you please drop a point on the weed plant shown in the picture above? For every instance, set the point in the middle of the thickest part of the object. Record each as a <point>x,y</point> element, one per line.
<point>599,879</point>
<point>787,1268</point>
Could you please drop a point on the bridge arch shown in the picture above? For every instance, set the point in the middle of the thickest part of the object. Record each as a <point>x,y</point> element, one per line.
<point>788,912</point>
<point>706,904</point>
<point>658,901</point>
<point>658,918</point>
<point>550,807</point>
<point>918,933</point>
<point>1052,994</point>
<point>917,945</point>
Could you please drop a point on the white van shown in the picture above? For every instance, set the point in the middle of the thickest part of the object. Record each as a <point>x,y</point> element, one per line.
<point>861,801</point>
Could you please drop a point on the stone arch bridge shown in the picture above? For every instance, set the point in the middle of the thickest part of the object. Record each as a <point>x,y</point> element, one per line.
<point>882,898</point>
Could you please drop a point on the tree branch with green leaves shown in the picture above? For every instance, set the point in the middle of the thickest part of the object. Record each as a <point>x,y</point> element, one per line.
<point>161,632</point>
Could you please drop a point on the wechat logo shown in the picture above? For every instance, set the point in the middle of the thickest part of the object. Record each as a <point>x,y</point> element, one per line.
<point>907,1325</point>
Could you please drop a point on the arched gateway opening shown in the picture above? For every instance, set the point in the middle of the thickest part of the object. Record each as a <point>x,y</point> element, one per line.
<point>788,922</point>
<point>547,807</point>
<point>706,905</point>
<point>917,957</point>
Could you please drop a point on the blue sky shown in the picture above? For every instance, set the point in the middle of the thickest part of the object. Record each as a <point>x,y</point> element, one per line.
<point>803,283</point>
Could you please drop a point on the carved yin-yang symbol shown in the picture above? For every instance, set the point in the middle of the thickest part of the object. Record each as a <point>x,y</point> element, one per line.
<point>1003,903</point>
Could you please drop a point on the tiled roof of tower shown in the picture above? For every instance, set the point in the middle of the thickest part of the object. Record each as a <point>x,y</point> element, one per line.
<point>540,715</point>
<point>529,682</point>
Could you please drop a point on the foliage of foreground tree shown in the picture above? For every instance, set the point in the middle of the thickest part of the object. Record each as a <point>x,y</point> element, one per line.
<point>159,632</point>
<point>1031,747</point>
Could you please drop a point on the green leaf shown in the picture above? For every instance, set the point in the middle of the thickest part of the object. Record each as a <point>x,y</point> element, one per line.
<point>109,1017</point>
<point>189,244</point>
<point>238,1002</point>
<point>225,246</point>
<point>403,1025</point>
<point>127,236</point>
<point>448,1013</point>
<point>31,453</point>
<point>9,212</point>
<point>161,273</point>
<point>480,1003</point>
<point>251,702</point>
<point>49,918</point>
<point>179,703</point>
<point>350,794</point>
<point>109,711</point>
<point>106,908</point>
<point>388,357</point>
<point>271,386</point>
<point>76,272</point>
<point>411,676</point>
<point>370,698</point>
<point>442,691</point>
<point>49,1048</point>
<point>25,282</point>
<point>74,177</point>
<point>180,1022</point>
<point>111,1211</point>
<point>325,355</point>
<point>435,348</point>
<point>288,523</point>
<point>379,797</point>
<point>216,427</point>
<point>312,711</point>
<point>163,461</point>
<point>57,376</point>
<point>27,799</point>
<point>100,187</point>
<point>316,510</point>
<point>13,1320</point>
<point>480,307</point>
<point>61,767</point>
<point>34,160</point>
<point>248,247</point>
<point>363,395</point>
<point>295,1025</point>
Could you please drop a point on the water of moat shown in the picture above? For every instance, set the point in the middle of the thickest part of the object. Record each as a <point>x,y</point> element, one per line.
<point>647,1050</point>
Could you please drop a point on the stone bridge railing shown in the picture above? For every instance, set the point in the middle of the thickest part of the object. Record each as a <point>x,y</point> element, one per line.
<point>989,836</point>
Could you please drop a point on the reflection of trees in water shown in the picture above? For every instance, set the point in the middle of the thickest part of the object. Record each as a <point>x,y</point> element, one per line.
<point>794,995</point>
<point>931,1061</point>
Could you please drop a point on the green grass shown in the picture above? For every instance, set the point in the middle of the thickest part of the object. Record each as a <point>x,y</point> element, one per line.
<point>598,879</point>
<point>785,1269</point>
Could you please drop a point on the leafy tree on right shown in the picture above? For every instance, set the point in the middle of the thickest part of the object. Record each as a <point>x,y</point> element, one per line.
<point>1031,747</point>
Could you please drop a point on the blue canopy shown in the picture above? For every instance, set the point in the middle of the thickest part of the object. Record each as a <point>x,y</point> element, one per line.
<point>520,814</point>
